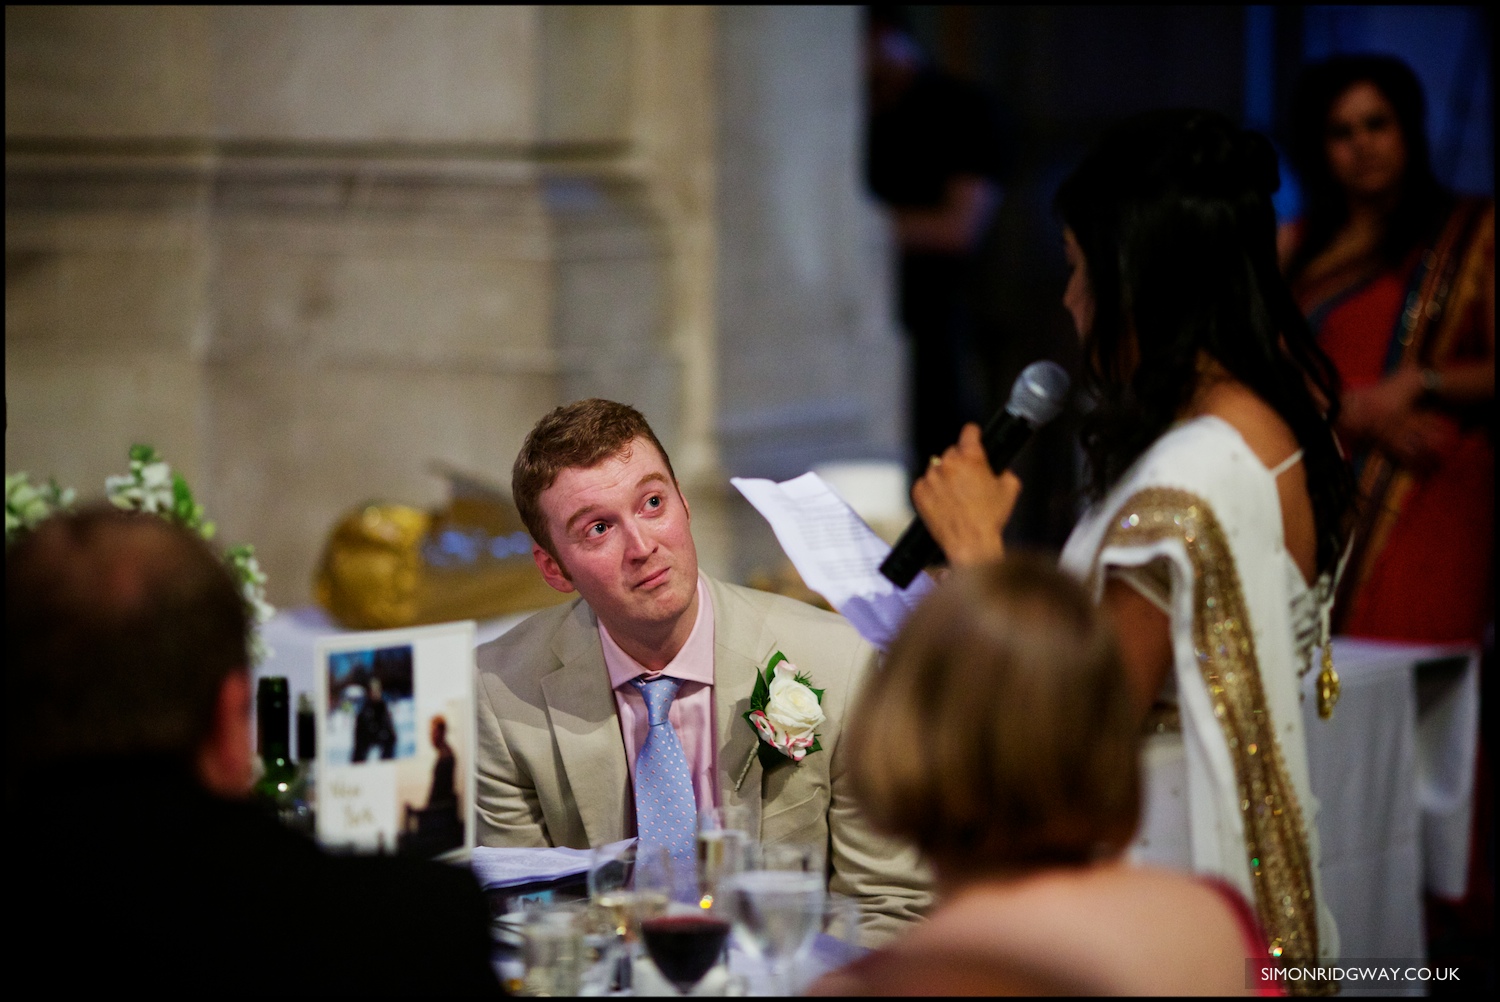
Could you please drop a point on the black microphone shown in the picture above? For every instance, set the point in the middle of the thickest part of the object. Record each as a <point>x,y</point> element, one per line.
<point>1036,398</point>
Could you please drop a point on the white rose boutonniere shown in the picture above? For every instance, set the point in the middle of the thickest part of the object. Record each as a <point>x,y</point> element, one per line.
<point>785,711</point>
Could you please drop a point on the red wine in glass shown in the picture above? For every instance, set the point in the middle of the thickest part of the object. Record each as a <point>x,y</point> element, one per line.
<point>684,947</point>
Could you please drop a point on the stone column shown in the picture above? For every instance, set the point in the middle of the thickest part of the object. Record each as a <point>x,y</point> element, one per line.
<point>307,251</point>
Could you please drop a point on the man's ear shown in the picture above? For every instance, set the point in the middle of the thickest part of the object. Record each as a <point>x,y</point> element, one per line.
<point>552,571</point>
<point>224,760</point>
<point>683,498</point>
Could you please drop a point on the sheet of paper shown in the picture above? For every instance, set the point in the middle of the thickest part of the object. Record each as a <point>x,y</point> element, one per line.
<point>836,553</point>
<point>495,867</point>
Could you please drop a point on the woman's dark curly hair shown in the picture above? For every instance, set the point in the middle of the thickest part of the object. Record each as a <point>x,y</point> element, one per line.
<point>1173,215</point>
<point>1422,202</point>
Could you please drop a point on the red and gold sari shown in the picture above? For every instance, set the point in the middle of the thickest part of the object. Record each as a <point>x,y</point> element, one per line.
<point>1421,568</point>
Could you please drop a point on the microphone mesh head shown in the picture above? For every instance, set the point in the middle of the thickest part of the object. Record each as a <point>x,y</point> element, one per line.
<point>1039,393</point>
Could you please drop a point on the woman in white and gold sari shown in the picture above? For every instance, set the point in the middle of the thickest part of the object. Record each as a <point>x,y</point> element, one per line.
<point>1219,499</point>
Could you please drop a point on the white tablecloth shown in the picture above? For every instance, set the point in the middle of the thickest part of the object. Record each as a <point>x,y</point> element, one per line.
<point>1393,771</point>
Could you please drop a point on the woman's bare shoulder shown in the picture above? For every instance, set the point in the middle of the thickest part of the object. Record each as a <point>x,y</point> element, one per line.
<point>1104,929</point>
<point>1264,430</point>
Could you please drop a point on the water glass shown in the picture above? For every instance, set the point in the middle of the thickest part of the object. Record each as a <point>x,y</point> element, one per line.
<point>552,948</point>
<point>841,919</point>
<point>839,944</point>
<point>778,912</point>
<point>802,857</point>
<point>600,965</point>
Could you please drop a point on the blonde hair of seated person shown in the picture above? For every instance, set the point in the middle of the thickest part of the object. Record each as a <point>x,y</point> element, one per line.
<point>1000,738</point>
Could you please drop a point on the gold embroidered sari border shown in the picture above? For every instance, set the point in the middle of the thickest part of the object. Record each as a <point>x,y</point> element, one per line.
<point>1275,837</point>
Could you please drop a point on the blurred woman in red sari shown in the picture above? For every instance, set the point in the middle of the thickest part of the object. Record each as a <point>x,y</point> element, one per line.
<point>1397,277</point>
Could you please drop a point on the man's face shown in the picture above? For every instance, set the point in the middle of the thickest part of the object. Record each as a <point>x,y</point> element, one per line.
<point>622,540</point>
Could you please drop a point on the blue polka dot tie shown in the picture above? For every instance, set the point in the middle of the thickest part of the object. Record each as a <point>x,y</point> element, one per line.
<point>665,808</point>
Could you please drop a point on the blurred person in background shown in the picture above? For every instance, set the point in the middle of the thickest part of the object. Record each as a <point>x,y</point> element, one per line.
<point>1397,277</point>
<point>140,861</point>
<point>1002,739</point>
<point>1219,499</point>
<point>935,154</point>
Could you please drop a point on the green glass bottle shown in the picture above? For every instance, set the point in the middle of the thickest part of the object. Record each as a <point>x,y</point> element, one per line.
<point>307,765</point>
<point>278,778</point>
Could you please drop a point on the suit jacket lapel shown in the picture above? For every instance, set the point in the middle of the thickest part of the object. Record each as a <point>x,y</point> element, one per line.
<point>581,706</point>
<point>742,645</point>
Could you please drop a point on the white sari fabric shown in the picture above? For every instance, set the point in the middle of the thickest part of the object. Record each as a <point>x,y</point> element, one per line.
<point>1199,513</point>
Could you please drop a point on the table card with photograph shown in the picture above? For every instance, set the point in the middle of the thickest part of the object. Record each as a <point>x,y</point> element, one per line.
<point>395,739</point>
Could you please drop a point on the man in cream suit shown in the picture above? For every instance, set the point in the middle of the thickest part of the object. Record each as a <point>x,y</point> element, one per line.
<point>563,718</point>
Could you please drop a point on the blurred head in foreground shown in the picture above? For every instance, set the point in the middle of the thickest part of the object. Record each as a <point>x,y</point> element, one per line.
<point>999,737</point>
<point>125,639</point>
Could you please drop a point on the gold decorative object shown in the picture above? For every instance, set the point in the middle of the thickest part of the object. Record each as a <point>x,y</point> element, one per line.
<point>389,565</point>
<point>1328,684</point>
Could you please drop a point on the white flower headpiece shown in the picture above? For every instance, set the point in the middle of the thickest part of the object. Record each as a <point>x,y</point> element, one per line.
<point>152,487</point>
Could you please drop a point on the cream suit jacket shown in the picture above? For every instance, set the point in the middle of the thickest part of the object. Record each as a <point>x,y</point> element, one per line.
<point>551,760</point>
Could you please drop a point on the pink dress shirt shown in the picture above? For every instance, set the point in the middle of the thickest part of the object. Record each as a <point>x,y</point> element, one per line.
<point>692,712</point>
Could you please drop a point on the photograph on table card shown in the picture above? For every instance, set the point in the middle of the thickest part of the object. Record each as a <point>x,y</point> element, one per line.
<point>371,712</point>
<point>395,741</point>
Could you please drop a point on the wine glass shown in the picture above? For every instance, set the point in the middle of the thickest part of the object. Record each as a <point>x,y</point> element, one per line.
<point>658,879</point>
<point>613,902</point>
<point>686,945</point>
<point>777,907</point>
<point>610,872</point>
<point>722,843</point>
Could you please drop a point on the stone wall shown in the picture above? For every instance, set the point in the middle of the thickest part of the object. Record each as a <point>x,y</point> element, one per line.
<point>308,252</point>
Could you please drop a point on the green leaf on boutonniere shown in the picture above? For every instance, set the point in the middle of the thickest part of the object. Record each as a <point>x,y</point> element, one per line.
<point>761,696</point>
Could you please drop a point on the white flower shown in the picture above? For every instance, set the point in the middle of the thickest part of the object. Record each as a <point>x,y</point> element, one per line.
<point>792,706</point>
<point>252,581</point>
<point>27,504</point>
<point>156,476</point>
<point>147,487</point>
<point>260,651</point>
<point>23,502</point>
